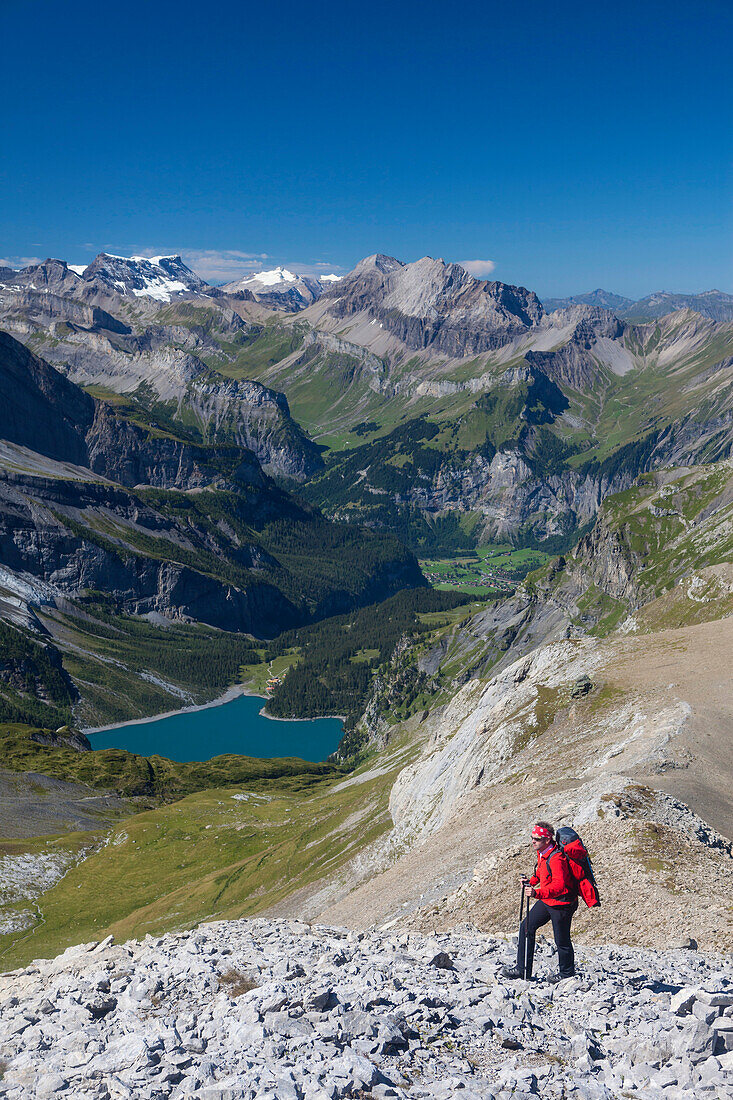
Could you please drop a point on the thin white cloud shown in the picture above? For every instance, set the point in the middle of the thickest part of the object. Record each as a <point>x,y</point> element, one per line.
<point>481,269</point>
<point>227,265</point>
<point>20,261</point>
<point>222,265</point>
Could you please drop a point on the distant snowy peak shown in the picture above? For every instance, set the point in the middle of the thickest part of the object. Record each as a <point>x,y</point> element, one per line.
<point>282,289</point>
<point>276,277</point>
<point>161,278</point>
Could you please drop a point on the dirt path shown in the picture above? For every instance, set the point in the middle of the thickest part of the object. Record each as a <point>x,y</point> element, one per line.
<point>694,664</point>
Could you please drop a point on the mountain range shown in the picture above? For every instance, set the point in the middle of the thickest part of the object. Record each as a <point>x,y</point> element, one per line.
<point>713,304</point>
<point>166,278</point>
<point>413,397</point>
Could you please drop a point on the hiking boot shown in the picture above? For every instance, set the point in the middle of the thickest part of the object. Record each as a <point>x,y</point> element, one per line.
<point>513,973</point>
<point>553,979</point>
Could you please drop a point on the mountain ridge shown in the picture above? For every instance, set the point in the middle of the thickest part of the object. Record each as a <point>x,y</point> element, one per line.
<point>392,344</point>
<point>716,305</point>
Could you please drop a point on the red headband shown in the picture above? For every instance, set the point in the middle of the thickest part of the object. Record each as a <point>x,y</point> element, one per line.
<point>540,832</point>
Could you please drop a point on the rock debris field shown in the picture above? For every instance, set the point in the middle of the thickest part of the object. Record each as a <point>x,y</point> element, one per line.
<point>279,1010</point>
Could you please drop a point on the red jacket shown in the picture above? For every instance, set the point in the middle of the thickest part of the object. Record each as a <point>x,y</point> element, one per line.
<point>553,879</point>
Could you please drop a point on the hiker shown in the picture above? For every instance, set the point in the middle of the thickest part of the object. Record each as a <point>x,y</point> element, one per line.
<point>555,887</point>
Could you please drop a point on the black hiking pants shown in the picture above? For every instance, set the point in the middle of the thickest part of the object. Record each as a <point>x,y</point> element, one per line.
<point>539,914</point>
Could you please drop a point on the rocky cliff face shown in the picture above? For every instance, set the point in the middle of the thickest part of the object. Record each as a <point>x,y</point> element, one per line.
<point>50,415</point>
<point>79,536</point>
<point>40,408</point>
<point>130,455</point>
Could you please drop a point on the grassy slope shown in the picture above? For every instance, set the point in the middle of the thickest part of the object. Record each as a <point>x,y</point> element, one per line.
<point>129,774</point>
<point>208,855</point>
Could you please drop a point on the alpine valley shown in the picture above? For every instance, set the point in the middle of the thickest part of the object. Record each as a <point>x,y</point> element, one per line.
<point>287,481</point>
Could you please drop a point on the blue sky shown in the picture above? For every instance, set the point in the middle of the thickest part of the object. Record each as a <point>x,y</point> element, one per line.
<point>569,145</point>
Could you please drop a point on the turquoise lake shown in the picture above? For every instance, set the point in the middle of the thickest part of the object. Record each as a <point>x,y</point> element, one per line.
<point>233,727</point>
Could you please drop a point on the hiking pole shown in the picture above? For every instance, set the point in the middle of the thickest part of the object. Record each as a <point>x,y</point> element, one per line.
<point>521,917</point>
<point>526,944</point>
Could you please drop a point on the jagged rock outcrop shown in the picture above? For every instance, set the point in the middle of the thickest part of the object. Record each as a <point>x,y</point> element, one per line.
<point>64,736</point>
<point>571,365</point>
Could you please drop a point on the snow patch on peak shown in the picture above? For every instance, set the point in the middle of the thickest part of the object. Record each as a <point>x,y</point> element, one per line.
<point>158,277</point>
<point>78,269</point>
<point>273,278</point>
<point>153,259</point>
<point>330,278</point>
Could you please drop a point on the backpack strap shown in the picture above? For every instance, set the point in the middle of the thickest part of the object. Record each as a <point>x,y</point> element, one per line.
<point>555,848</point>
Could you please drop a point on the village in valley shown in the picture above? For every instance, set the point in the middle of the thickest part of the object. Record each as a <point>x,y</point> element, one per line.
<point>486,571</point>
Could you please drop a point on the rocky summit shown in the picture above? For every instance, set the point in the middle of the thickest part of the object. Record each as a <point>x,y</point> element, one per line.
<point>281,1010</point>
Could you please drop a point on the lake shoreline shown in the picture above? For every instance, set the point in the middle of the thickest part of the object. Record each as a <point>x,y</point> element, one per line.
<point>276,718</point>
<point>239,728</point>
<point>234,692</point>
<point>231,693</point>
